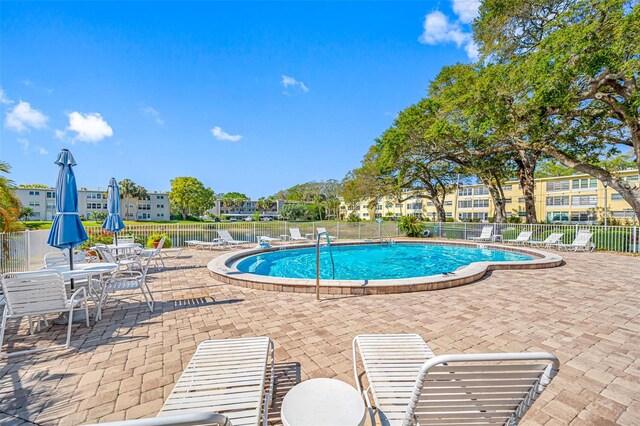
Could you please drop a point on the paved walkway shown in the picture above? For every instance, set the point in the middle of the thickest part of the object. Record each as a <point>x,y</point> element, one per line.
<point>586,312</point>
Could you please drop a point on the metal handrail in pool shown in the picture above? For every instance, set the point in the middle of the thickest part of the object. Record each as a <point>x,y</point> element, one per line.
<point>333,266</point>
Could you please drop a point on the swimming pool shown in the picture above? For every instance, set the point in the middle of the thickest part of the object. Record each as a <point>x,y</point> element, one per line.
<point>373,261</point>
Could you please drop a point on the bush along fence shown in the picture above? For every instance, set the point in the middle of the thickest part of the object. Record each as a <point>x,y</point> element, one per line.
<point>25,250</point>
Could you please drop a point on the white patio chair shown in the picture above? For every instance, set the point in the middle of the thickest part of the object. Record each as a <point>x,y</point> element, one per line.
<point>228,240</point>
<point>551,240</point>
<point>582,242</point>
<point>411,387</point>
<point>124,240</point>
<point>522,238</point>
<point>154,253</point>
<point>37,294</point>
<point>130,263</point>
<point>323,230</point>
<point>226,377</point>
<point>61,257</point>
<point>485,235</point>
<point>296,236</point>
<point>127,281</point>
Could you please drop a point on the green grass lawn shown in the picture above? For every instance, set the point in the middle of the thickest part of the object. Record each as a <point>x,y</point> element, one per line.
<point>44,224</point>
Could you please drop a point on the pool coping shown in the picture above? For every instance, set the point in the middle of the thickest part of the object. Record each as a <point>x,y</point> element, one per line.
<point>222,268</point>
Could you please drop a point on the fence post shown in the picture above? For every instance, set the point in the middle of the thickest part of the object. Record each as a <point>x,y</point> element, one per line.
<point>255,238</point>
<point>338,230</point>
<point>635,240</point>
<point>359,230</point>
<point>27,251</point>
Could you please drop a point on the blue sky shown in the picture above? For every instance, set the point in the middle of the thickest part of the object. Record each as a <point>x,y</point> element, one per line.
<point>250,97</point>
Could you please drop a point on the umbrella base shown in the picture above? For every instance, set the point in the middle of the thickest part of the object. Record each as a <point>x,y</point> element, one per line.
<point>78,317</point>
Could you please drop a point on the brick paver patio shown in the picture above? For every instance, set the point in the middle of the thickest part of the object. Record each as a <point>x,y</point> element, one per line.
<point>586,312</point>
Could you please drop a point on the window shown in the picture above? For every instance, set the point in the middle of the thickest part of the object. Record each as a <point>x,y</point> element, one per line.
<point>161,206</point>
<point>34,192</point>
<point>584,200</point>
<point>160,215</point>
<point>561,185</point>
<point>558,201</point>
<point>584,183</point>
<point>448,214</point>
<point>480,191</point>
<point>378,215</point>
<point>94,196</point>
<point>465,192</point>
<point>379,207</point>
<point>465,204</point>
<point>34,204</point>
<point>581,217</point>
<point>464,216</point>
<point>144,206</point>
<point>481,216</point>
<point>481,203</point>
<point>415,206</point>
<point>623,214</point>
<point>429,203</point>
<point>398,205</point>
<point>448,203</point>
<point>632,178</point>
<point>616,196</point>
<point>144,215</point>
<point>507,200</point>
<point>51,194</point>
<point>557,216</point>
<point>522,213</point>
<point>506,188</point>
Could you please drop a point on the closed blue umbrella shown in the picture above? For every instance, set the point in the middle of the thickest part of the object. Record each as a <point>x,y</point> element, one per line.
<point>113,222</point>
<point>67,230</point>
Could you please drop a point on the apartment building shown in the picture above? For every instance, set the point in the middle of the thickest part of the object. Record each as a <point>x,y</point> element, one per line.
<point>91,201</point>
<point>248,209</point>
<point>559,199</point>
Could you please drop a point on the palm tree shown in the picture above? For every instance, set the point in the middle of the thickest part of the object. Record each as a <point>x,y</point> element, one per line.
<point>265,204</point>
<point>127,191</point>
<point>9,202</point>
<point>140,193</point>
<point>26,213</point>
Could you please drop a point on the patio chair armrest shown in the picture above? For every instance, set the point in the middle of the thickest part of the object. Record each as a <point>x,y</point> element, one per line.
<point>72,299</point>
<point>212,419</point>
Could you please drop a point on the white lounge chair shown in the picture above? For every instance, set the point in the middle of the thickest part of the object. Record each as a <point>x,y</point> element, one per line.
<point>154,253</point>
<point>224,377</point>
<point>522,238</point>
<point>323,230</point>
<point>411,386</point>
<point>582,242</point>
<point>130,262</point>
<point>228,240</point>
<point>296,236</point>
<point>551,240</point>
<point>485,235</point>
<point>37,294</point>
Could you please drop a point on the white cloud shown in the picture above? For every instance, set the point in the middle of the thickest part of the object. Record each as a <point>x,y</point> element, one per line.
<point>23,117</point>
<point>25,144</point>
<point>3,98</point>
<point>42,151</point>
<point>467,10</point>
<point>90,127</point>
<point>439,29</point>
<point>288,81</point>
<point>221,135</point>
<point>153,113</point>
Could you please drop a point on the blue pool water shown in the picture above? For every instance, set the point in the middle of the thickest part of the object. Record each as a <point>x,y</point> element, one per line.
<point>373,261</point>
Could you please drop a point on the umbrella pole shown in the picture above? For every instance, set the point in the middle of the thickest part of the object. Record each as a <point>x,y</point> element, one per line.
<point>71,264</point>
<point>115,235</point>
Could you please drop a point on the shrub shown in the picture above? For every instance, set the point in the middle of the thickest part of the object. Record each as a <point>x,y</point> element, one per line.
<point>353,218</point>
<point>411,226</point>
<point>157,237</point>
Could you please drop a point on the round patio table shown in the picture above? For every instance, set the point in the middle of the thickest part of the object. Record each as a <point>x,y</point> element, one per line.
<point>323,402</point>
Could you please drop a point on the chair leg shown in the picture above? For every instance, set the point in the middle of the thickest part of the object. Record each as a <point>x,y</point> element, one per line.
<point>69,327</point>
<point>2,328</point>
<point>151,302</point>
<point>86,311</point>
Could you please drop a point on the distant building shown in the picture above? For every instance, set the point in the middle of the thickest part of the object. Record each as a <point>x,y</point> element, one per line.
<point>92,201</point>
<point>558,199</point>
<point>248,209</point>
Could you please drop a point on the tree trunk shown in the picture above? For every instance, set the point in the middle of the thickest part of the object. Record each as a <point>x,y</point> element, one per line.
<point>526,169</point>
<point>442,215</point>
<point>184,213</point>
<point>497,195</point>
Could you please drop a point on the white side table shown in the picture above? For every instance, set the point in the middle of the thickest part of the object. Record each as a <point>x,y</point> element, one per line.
<point>323,402</point>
